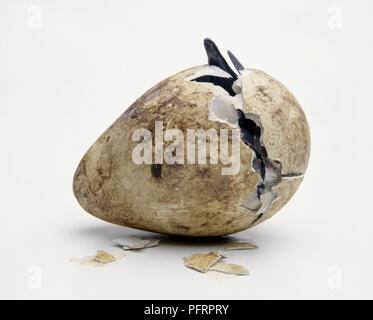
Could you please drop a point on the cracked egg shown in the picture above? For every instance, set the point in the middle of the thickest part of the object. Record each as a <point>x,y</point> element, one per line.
<point>196,198</point>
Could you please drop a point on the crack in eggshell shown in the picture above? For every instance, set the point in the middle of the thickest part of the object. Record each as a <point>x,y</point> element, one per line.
<point>222,108</point>
<point>227,109</point>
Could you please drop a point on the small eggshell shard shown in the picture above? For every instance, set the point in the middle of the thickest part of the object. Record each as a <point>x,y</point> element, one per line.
<point>220,276</point>
<point>230,269</point>
<point>131,242</point>
<point>101,259</point>
<point>200,193</point>
<point>202,261</point>
<point>135,243</point>
<point>104,257</point>
<point>85,260</point>
<point>152,243</point>
<point>240,246</point>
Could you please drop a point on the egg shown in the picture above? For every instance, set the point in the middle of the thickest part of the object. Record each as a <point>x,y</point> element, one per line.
<point>206,152</point>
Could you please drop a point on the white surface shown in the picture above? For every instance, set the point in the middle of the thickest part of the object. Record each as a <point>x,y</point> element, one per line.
<point>62,84</point>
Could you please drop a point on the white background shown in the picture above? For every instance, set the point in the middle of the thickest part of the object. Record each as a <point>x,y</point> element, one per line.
<point>68,69</point>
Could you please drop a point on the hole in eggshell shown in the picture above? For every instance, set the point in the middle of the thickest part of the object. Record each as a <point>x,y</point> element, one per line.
<point>227,107</point>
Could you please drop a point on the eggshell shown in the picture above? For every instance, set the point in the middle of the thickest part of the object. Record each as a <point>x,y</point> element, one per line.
<point>191,199</point>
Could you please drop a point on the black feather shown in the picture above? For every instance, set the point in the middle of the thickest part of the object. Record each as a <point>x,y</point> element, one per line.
<point>215,58</point>
<point>235,62</point>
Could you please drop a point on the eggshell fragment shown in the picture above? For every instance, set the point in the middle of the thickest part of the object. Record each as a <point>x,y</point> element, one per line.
<point>202,261</point>
<point>99,260</point>
<point>229,268</point>
<point>135,243</point>
<point>240,246</point>
<point>104,257</point>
